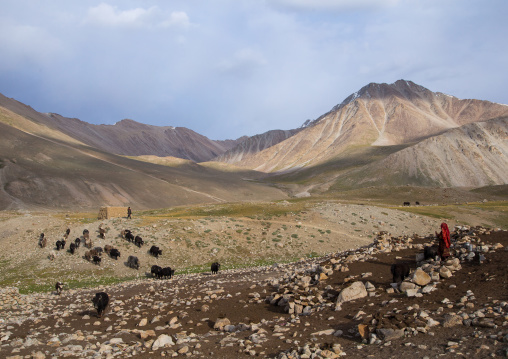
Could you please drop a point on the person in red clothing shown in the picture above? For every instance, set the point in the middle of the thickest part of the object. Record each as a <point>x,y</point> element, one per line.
<point>444,241</point>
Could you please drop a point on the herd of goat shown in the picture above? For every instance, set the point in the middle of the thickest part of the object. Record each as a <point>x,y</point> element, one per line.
<point>94,254</point>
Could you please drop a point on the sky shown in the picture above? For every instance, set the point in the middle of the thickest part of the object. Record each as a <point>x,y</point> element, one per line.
<point>228,68</point>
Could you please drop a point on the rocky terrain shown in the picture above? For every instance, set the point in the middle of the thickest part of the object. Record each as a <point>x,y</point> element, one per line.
<point>280,232</point>
<point>317,284</point>
<point>342,304</point>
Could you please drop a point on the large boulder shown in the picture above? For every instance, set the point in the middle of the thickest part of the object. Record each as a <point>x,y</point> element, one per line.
<point>354,291</point>
<point>162,341</point>
<point>221,323</point>
<point>420,277</point>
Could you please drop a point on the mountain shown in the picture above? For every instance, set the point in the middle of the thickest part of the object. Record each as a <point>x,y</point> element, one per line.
<point>41,168</point>
<point>398,114</point>
<point>128,137</point>
<point>255,144</point>
<point>473,155</point>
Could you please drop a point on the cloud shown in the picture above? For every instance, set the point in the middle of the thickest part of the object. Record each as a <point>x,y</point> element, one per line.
<point>177,19</point>
<point>27,45</point>
<point>105,14</point>
<point>244,60</point>
<point>335,5</point>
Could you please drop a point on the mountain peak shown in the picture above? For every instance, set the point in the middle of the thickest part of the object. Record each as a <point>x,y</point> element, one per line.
<point>400,88</point>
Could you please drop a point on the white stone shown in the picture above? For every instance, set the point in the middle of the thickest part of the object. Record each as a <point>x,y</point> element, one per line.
<point>162,341</point>
<point>354,291</point>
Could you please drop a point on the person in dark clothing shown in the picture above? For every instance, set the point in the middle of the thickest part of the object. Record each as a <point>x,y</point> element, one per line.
<point>129,213</point>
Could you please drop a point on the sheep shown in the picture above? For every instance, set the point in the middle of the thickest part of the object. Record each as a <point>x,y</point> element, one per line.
<point>124,232</point>
<point>114,253</point>
<point>166,272</point>
<point>72,248</point>
<point>77,241</point>
<point>138,241</point>
<point>58,287</point>
<point>156,271</point>
<point>215,267</point>
<point>67,232</point>
<point>155,251</point>
<point>430,252</point>
<point>399,272</point>
<point>52,256</point>
<point>63,241</point>
<point>407,203</point>
<point>97,260</point>
<point>100,302</point>
<point>98,250</point>
<point>107,248</point>
<point>133,262</point>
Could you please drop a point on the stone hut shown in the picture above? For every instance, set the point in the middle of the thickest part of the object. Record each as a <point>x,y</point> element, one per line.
<point>112,212</point>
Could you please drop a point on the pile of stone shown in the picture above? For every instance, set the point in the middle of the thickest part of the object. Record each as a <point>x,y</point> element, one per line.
<point>314,351</point>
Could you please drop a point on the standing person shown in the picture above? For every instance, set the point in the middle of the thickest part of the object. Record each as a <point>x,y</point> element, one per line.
<point>444,241</point>
<point>129,213</point>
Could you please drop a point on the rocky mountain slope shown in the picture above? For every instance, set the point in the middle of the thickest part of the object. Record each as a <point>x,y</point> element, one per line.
<point>255,144</point>
<point>401,113</point>
<point>129,137</point>
<point>473,155</point>
<point>43,168</point>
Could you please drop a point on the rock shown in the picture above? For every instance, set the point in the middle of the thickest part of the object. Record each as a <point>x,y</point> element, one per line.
<point>451,320</point>
<point>354,291</point>
<point>412,292</point>
<point>420,277</point>
<point>389,334</point>
<point>405,286</point>
<point>221,323</point>
<point>324,332</point>
<point>38,355</point>
<point>162,341</point>
<point>445,272</point>
<point>143,322</point>
<point>363,329</point>
<point>143,334</point>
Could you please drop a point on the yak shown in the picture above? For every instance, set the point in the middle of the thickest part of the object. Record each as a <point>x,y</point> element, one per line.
<point>399,272</point>
<point>155,251</point>
<point>100,302</point>
<point>215,267</point>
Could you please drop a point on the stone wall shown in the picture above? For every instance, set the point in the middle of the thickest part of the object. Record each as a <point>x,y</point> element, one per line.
<point>112,212</point>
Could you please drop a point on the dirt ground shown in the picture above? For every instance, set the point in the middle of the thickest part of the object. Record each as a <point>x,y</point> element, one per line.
<point>176,307</point>
<point>191,244</point>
